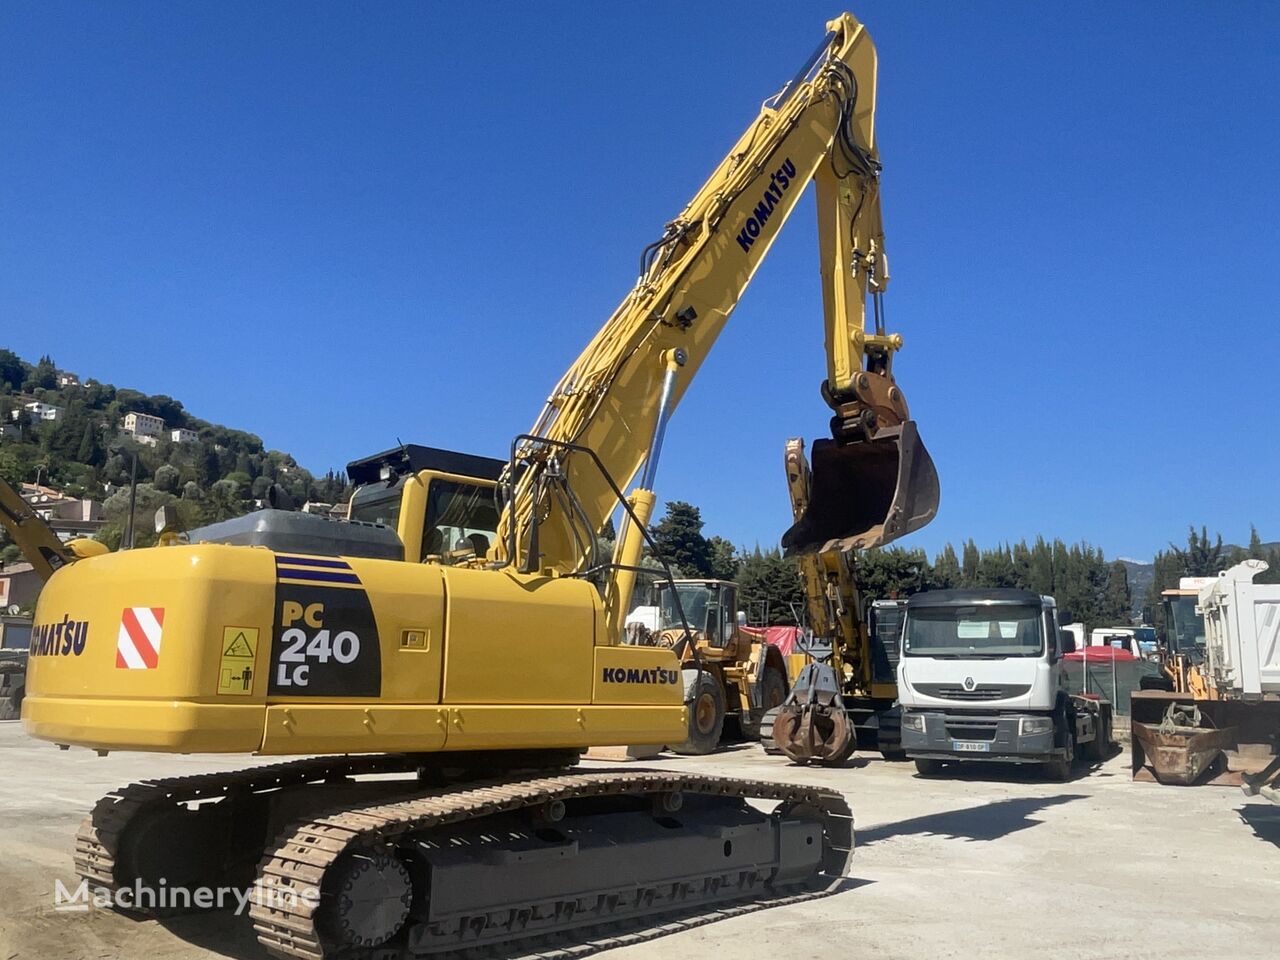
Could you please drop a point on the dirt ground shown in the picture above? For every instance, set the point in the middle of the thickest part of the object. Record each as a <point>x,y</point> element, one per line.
<point>991,863</point>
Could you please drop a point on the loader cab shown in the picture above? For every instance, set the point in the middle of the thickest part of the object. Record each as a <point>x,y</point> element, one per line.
<point>442,504</point>
<point>1183,626</point>
<point>710,608</point>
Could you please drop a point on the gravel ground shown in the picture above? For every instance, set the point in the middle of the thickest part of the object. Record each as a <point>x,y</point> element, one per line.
<point>988,863</point>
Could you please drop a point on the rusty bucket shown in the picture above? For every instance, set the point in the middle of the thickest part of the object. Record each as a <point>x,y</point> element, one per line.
<point>866,493</point>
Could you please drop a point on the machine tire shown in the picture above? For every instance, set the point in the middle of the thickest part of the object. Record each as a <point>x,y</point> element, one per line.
<point>773,690</point>
<point>11,706</point>
<point>928,768</point>
<point>706,717</point>
<point>1099,747</point>
<point>1060,770</point>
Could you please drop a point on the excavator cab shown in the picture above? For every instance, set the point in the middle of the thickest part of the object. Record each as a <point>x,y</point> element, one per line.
<point>442,504</point>
<point>866,493</point>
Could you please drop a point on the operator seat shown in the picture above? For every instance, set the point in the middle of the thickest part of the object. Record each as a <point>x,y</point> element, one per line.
<point>434,543</point>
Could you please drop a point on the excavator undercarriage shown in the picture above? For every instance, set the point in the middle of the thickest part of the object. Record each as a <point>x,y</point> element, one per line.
<point>404,865</point>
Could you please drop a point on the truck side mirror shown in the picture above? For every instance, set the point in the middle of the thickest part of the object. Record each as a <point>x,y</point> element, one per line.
<point>1066,642</point>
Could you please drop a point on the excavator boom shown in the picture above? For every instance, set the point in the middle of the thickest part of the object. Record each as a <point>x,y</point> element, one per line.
<point>874,480</point>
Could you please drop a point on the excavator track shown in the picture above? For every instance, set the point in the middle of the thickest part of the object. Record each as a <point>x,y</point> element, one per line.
<point>376,841</point>
<point>98,845</point>
<point>372,849</point>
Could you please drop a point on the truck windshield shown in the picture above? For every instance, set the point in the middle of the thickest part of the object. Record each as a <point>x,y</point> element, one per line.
<point>977,631</point>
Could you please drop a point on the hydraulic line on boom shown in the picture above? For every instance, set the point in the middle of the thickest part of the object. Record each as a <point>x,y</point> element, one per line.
<point>873,481</point>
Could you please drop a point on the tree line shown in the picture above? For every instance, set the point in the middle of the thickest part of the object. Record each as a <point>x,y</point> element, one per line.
<point>1086,585</point>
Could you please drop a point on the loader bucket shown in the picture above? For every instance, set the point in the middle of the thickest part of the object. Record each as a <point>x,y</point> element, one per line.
<point>866,493</point>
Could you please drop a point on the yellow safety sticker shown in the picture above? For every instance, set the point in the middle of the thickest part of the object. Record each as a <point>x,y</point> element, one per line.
<point>239,649</point>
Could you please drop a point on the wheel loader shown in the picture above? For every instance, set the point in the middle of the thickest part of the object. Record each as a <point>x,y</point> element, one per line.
<point>728,675</point>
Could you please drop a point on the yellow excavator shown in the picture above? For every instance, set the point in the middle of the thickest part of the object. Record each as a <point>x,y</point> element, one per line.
<point>460,638</point>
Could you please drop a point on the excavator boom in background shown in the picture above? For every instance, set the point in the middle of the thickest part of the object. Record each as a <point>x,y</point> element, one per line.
<point>460,637</point>
<point>849,684</point>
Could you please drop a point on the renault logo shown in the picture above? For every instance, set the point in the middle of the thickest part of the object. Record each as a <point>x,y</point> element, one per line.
<point>969,684</point>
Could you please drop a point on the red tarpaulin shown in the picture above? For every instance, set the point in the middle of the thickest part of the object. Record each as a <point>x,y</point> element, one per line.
<point>784,638</point>
<point>1106,654</point>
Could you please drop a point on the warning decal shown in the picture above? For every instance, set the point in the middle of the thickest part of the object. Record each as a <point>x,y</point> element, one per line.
<point>138,640</point>
<point>235,672</point>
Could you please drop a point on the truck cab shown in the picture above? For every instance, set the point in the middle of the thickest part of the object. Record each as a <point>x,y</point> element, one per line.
<point>980,678</point>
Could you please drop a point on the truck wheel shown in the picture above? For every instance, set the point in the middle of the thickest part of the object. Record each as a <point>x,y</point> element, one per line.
<point>706,717</point>
<point>1060,770</point>
<point>773,690</point>
<point>1100,745</point>
<point>928,768</point>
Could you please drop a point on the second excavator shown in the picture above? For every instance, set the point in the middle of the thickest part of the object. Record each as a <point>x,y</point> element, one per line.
<point>460,637</point>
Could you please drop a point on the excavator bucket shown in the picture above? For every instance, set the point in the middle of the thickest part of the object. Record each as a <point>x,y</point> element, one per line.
<point>866,493</point>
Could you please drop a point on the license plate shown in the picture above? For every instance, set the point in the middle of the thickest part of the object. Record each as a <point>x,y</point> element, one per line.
<point>970,746</point>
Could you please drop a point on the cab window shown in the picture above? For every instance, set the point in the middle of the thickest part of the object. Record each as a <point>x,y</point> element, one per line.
<point>461,521</point>
<point>378,503</point>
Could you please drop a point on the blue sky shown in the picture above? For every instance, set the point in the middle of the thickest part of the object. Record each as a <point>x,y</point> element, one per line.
<point>336,225</point>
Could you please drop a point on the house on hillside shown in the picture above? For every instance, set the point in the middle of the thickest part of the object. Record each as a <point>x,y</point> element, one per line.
<point>19,585</point>
<point>70,517</point>
<point>183,435</point>
<point>143,425</point>
<point>66,379</point>
<point>39,410</point>
<point>334,511</point>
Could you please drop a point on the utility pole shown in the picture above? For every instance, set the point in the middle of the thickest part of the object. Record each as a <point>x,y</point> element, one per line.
<point>133,500</point>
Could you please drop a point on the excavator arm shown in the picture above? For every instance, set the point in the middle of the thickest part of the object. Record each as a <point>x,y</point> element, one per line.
<point>833,601</point>
<point>604,421</point>
<point>38,543</point>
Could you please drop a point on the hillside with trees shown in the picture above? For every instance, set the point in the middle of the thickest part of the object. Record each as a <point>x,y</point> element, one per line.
<point>221,473</point>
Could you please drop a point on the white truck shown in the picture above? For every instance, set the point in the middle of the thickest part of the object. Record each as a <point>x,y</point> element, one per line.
<point>1242,633</point>
<point>1242,660</point>
<point>980,678</point>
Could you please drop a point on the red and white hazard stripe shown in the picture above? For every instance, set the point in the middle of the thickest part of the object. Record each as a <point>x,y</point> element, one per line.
<point>138,642</point>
